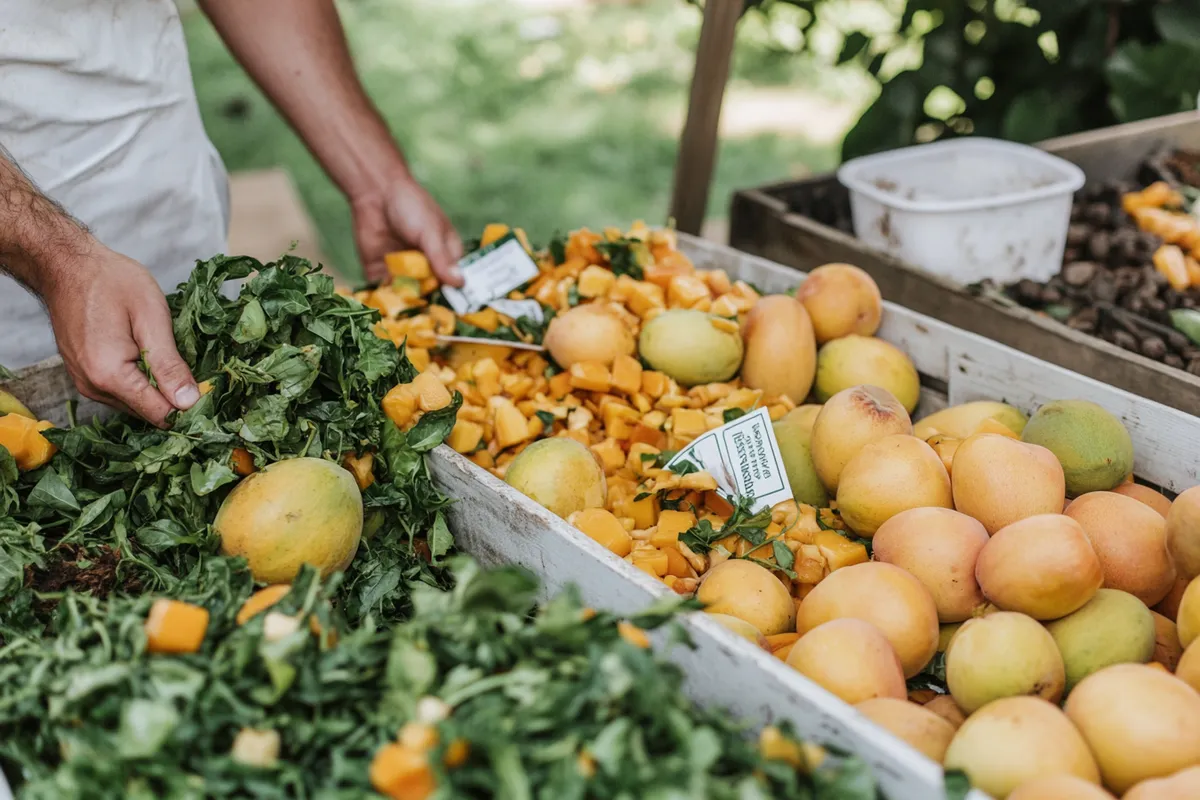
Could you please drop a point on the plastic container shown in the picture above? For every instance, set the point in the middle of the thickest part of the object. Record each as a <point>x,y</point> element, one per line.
<point>966,209</point>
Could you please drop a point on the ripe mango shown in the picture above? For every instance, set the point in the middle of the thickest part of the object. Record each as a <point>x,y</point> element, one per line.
<point>1092,445</point>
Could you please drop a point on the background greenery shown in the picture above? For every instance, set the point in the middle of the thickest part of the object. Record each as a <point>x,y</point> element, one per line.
<point>552,114</point>
<point>548,116</point>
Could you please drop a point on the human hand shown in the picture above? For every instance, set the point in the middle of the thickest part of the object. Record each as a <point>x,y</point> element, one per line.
<point>403,215</point>
<point>107,310</point>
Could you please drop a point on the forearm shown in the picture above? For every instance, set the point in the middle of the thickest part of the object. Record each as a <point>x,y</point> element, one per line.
<point>296,51</point>
<point>37,236</point>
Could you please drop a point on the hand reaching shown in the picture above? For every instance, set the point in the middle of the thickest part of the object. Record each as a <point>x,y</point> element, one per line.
<point>405,216</point>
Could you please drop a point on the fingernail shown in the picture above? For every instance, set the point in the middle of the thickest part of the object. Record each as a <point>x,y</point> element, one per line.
<point>186,396</point>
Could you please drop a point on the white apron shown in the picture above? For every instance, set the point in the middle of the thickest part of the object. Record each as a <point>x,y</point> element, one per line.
<point>97,106</point>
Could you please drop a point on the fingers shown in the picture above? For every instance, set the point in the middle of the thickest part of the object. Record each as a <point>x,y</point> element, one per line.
<point>444,248</point>
<point>375,271</point>
<point>151,325</point>
<point>123,386</point>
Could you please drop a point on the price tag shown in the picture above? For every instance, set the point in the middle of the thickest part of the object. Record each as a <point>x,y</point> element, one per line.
<point>489,274</point>
<point>519,308</point>
<point>743,456</point>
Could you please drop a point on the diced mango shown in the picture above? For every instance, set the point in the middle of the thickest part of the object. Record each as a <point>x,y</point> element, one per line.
<point>173,626</point>
<point>361,467</point>
<point>654,384</point>
<point>627,374</point>
<point>241,462</point>
<point>408,264</point>
<point>602,526</point>
<point>619,420</point>
<point>633,634</point>
<point>688,422</point>
<point>609,454</point>
<point>401,773</point>
<point>670,525</point>
<point>724,325</point>
<point>560,385</point>
<point>644,512</point>
<point>684,291</point>
<point>431,392</point>
<point>718,281</point>
<point>23,439</point>
<point>482,458</point>
<point>516,385</point>
<point>466,436</point>
<point>666,265</point>
<point>511,425</point>
<point>400,404</point>
<point>595,281</point>
<point>651,559</point>
<point>645,297</point>
<point>443,319</point>
<point>591,376</point>
<point>487,318</point>
<point>492,232</point>
<point>724,306</point>
<point>839,551</point>
<point>582,244</point>
<point>419,356</point>
<point>486,375</point>
<point>677,565</point>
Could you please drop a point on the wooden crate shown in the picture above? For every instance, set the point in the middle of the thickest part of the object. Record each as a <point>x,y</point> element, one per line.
<point>763,222</point>
<point>498,525</point>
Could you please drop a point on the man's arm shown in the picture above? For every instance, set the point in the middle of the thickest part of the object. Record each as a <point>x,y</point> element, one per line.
<point>106,309</point>
<point>296,51</point>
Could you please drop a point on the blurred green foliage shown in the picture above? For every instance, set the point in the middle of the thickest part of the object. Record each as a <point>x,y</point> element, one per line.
<point>1019,70</point>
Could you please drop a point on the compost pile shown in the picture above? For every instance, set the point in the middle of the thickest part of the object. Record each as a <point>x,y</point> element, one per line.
<point>415,673</point>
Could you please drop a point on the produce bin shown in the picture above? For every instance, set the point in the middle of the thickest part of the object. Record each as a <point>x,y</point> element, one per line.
<point>496,524</point>
<point>802,223</point>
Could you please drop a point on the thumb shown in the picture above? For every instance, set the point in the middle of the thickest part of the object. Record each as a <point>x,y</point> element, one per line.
<point>443,248</point>
<point>152,330</point>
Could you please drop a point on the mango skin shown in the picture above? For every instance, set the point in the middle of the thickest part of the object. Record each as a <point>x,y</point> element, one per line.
<point>962,420</point>
<point>1092,445</point>
<point>293,512</point>
<point>559,474</point>
<point>864,360</point>
<point>1002,655</point>
<point>683,344</point>
<point>793,433</point>
<point>1114,627</point>
<point>780,352</point>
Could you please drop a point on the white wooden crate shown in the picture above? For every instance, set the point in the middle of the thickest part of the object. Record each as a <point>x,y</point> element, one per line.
<point>497,525</point>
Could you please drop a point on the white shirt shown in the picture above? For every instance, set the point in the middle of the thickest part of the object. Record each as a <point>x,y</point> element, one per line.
<point>97,106</point>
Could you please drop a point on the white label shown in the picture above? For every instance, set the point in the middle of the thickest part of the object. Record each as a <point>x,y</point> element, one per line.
<point>519,308</point>
<point>744,458</point>
<point>490,273</point>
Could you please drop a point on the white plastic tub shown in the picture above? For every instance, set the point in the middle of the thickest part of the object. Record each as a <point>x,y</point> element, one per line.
<point>966,209</point>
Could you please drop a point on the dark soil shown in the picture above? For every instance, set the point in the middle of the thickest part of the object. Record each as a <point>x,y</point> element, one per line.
<point>94,573</point>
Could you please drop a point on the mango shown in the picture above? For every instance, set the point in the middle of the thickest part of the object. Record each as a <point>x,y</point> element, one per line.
<point>588,333</point>
<point>847,422</point>
<point>887,477</point>
<point>938,546</point>
<point>887,597</point>
<point>923,730</point>
<point>1187,620</point>
<point>1183,532</point>
<point>1131,540</point>
<point>851,659</point>
<point>1002,655</point>
<point>1059,787</point>
<point>857,360</point>
<point>805,415</point>
<point>1144,494</point>
<point>293,512</point>
<point>999,481</point>
<point>944,706</point>
<point>745,590</point>
<point>1169,605</point>
<point>9,404</point>
<point>685,345</point>
<point>559,474</point>
<point>963,420</point>
<point>794,439</point>
<point>1188,667</point>
<point>1111,628</point>
<point>841,299</point>
<point>1092,445</point>
<point>780,353</point>
<point>1183,785</point>
<point>1139,722</point>
<point>1015,740</point>
<point>741,628</point>
<point>1043,566</point>
<point>1167,649</point>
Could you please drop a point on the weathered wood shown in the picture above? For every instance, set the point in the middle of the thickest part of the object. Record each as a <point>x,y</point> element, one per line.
<point>698,144</point>
<point>761,223</point>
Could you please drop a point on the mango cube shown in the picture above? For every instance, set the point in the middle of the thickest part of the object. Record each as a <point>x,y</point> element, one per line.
<point>591,376</point>
<point>627,374</point>
<point>408,264</point>
<point>466,435</point>
<point>595,281</point>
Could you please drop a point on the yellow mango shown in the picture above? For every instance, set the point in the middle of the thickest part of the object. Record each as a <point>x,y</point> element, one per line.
<point>466,435</point>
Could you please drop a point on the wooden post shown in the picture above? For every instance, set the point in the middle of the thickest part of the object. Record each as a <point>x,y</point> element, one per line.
<point>698,144</point>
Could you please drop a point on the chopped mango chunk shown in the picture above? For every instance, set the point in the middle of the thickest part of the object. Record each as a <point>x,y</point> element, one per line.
<point>595,281</point>
<point>400,404</point>
<point>361,467</point>
<point>839,551</point>
<point>23,439</point>
<point>431,392</point>
<point>488,319</point>
<point>173,626</point>
<point>609,454</point>
<point>627,374</point>
<point>606,529</point>
<point>591,376</point>
<point>688,422</point>
<point>633,634</point>
<point>408,264</point>
<point>511,425</point>
<point>402,773</point>
<point>493,232</point>
<point>466,436</point>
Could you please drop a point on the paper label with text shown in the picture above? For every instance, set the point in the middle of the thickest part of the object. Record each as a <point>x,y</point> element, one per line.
<point>517,309</point>
<point>490,273</point>
<point>743,456</point>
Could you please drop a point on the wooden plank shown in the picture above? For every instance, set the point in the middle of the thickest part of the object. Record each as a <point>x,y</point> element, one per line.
<point>1114,153</point>
<point>698,144</point>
